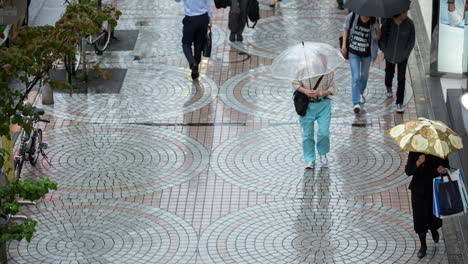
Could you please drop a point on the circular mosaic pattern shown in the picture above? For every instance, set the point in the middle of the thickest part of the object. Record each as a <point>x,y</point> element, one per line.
<point>158,38</point>
<point>154,7</point>
<point>256,92</point>
<point>361,161</point>
<point>147,94</point>
<point>313,232</point>
<point>300,5</point>
<point>272,35</point>
<point>106,232</point>
<point>107,161</point>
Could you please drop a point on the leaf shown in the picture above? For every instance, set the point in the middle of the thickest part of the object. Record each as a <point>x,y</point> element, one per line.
<point>60,85</point>
<point>106,75</point>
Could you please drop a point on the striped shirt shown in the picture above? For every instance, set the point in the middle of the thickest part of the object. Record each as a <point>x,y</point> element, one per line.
<point>327,83</point>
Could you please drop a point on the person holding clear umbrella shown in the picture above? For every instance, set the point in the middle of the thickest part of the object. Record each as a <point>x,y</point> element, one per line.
<point>310,66</point>
<point>318,89</point>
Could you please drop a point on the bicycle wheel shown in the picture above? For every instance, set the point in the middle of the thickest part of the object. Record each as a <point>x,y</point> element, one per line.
<point>35,149</point>
<point>101,42</point>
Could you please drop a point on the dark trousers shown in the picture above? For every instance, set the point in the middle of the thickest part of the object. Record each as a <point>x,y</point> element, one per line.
<point>340,2</point>
<point>237,21</point>
<point>401,78</point>
<point>194,32</point>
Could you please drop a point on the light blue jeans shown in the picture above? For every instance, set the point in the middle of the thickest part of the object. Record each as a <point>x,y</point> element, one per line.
<point>360,75</point>
<point>320,112</point>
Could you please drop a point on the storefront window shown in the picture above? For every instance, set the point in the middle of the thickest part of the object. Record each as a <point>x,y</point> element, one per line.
<point>451,40</point>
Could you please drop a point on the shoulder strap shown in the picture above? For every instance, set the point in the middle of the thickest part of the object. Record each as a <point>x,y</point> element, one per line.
<point>351,23</point>
<point>253,26</point>
<point>318,82</point>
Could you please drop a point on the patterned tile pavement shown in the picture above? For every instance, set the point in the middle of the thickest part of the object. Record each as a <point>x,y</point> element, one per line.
<point>310,231</point>
<point>113,161</point>
<point>258,93</point>
<point>269,160</point>
<point>174,171</point>
<point>108,231</point>
<point>138,101</point>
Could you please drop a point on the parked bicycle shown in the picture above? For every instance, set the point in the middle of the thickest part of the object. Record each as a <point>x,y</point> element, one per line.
<point>100,42</point>
<point>31,145</point>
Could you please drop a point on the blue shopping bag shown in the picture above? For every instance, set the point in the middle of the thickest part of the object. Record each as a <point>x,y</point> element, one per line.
<point>450,196</point>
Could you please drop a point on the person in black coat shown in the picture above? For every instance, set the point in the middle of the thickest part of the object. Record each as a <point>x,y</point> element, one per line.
<point>424,168</point>
<point>237,19</point>
<point>397,42</point>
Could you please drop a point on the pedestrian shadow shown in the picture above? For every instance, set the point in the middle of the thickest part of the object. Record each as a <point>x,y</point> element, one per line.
<point>315,184</point>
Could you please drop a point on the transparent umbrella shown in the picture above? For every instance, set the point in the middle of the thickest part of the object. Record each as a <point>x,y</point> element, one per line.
<point>306,60</point>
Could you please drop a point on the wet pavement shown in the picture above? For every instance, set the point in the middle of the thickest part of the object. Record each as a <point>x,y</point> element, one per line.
<point>156,168</point>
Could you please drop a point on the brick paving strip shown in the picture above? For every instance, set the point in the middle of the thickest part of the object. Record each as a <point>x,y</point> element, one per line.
<point>174,171</point>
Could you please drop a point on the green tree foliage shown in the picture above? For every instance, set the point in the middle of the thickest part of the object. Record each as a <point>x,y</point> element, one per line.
<point>31,59</point>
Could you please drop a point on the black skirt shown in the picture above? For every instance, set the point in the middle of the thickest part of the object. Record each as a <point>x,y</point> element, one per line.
<point>423,217</point>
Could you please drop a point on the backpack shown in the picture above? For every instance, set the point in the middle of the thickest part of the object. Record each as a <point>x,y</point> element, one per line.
<point>253,12</point>
<point>222,3</point>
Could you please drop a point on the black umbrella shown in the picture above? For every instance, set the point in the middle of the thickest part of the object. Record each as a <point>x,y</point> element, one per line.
<point>378,8</point>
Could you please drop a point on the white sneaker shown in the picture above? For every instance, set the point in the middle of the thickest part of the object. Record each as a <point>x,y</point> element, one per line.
<point>363,99</point>
<point>324,160</point>
<point>310,165</point>
<point>357,109</point>
<point>399,108</point>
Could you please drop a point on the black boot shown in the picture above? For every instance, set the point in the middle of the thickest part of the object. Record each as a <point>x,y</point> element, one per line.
<point>423,249</point>
<point>195,73</point>
<point>232,37</point>
<point>435,235</point>
<point>239,37</point>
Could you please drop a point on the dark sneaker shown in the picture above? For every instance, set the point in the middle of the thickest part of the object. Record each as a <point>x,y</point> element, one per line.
<point>389,92</point>
<point>232,37</point>
<point>195,72</point>
<point>240,38</point>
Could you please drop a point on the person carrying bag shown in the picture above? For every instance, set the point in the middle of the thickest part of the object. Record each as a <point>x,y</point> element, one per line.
<point>424,168</point>
<point>312,103</point>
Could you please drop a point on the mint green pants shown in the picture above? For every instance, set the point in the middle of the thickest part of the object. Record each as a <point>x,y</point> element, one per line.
<point>320,112</point>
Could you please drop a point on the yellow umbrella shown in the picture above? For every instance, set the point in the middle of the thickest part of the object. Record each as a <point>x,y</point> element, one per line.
<point>426,136</point>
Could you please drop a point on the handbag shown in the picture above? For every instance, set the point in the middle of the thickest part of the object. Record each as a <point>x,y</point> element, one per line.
<point>301,101</point>
<point>207,44</point>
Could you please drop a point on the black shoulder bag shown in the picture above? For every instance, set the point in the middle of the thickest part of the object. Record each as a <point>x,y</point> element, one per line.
<point>207,44</point>
<point>301,101</point>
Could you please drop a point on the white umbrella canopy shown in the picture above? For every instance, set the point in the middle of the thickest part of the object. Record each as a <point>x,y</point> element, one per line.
<point>306,60</point>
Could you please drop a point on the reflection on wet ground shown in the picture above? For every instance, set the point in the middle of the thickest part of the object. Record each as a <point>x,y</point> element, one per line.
<point>155,168</point>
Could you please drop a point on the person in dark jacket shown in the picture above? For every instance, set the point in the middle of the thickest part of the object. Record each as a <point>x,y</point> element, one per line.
<point>424,168</point>
<point>237,19</point>
<point>397,42</point>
